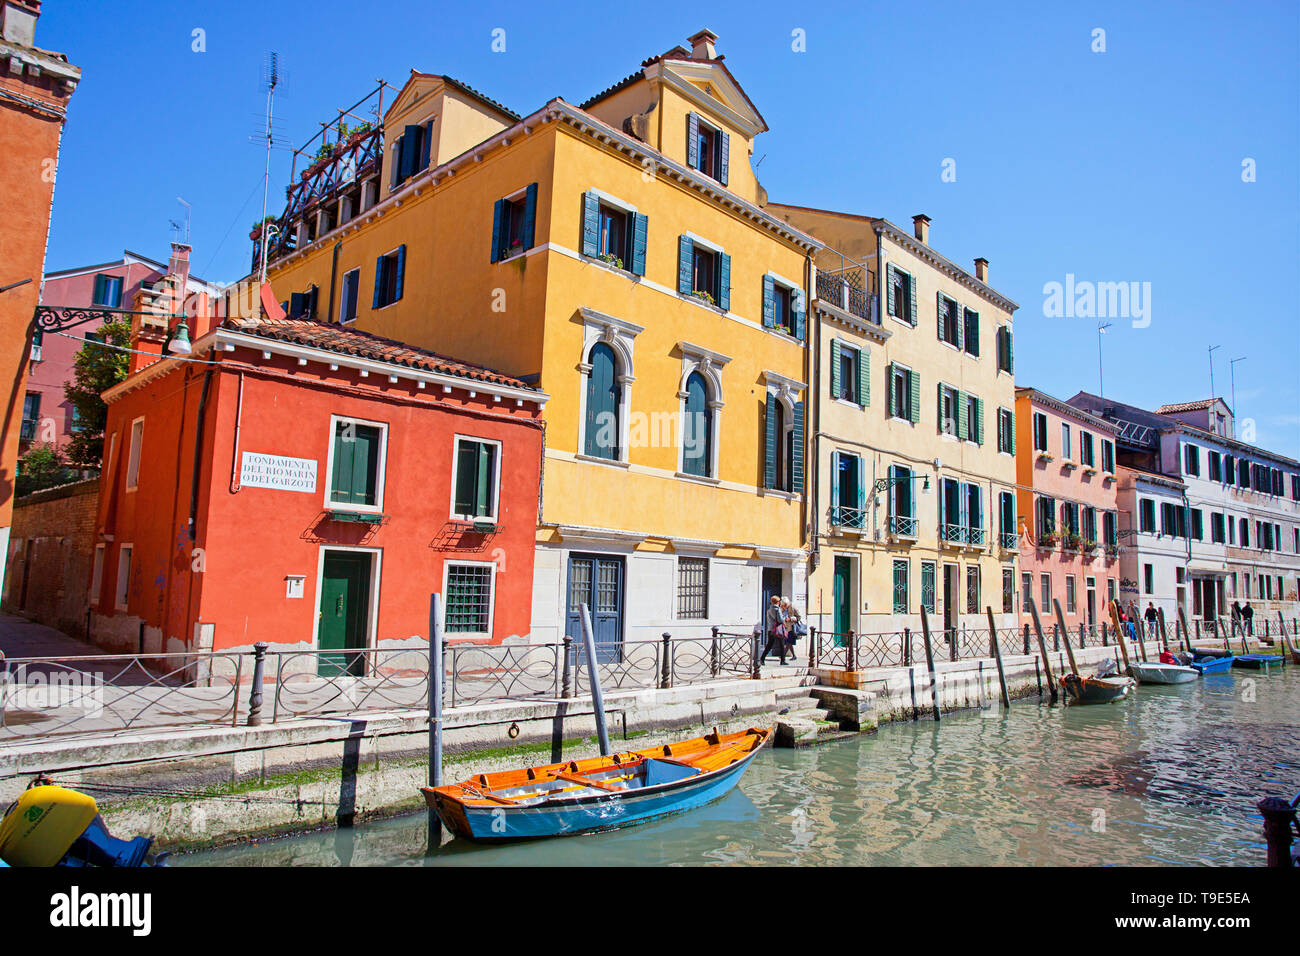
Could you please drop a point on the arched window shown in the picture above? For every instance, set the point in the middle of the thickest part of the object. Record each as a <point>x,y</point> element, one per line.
<point>697,428</point>
<point>601,427</point>
<point>782,450</point>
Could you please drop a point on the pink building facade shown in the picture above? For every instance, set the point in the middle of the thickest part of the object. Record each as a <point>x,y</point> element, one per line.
<point>48,417</point>
<point>1067,509</point>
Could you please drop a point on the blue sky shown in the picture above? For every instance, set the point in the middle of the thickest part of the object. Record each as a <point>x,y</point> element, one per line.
<point>1117,166</point>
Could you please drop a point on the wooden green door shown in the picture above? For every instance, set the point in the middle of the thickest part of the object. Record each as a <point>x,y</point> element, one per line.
<point>843,586</point>
<point>344,609</point>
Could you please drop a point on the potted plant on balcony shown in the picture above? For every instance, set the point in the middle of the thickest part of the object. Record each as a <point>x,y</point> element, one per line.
<point>612,259</point>
<point>1069,540</point>
<point>705,296</point>
<point>1048,539</point>
<point>1112,551</point>
<point>1087,546</point>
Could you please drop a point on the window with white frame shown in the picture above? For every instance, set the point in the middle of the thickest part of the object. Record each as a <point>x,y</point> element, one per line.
<point>133,458</point>
<point>123,577</point>
<point>356,464</point>
<point>477,479</point>
<point>692,588</point>
<point>470,595</point>
<point>97,574</point>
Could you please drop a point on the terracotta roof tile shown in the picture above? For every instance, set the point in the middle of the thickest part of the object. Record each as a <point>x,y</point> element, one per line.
<point>1185,406</point>
<point>349,341</point>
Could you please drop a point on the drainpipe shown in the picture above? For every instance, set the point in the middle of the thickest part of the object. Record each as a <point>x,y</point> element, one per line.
<point>812,375</point>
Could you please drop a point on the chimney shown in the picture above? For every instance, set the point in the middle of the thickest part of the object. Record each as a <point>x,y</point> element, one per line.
<point>921,226</point>
<point>982,269</point>
<point>18,20</point>
<point>704,45</point>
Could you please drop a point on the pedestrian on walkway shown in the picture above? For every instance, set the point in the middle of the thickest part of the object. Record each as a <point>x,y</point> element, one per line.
<point>794,626</point>
<point>1248,619</point>
<point>1153,617</point>
<point>1236,617</point>
<point>774,629</point>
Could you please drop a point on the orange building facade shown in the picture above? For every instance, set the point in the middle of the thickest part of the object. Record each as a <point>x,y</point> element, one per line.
<point>310,486</point>
<point>1066,503</point>
<point>35,86</point>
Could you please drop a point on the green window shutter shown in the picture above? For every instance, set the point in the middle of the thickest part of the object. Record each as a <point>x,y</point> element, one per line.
<point>835,368</point>
<point>640,229</point>
<point>693,140</point>
<point>400,279</point>
<point>724,158</point>
<point>685,261</point>
<point>963,420</point>
<point>486,476</point>
<point>769,444</point>
<point>973,333</point>
<point>914,381</point>
<point>979,421</point>
<point>530,215</point>
<point>889,390</point>
<point>341,479</point>
<point>590,224</point>
<point>466,462</point>
<point>889,288</point>
<point>724,282</point>
<point>99,290</point>
<point>769,302</point>
<point>1011,353</point>
<point>1012,420</point>
<point>938,408</point>
<point>379,282</point>
<point>911,300</point>
<point>797,304</point>
<point>864,377</point>
<point>938,315</point>
<point>411,137</point>
<point>957,323</point>
<point>796,462</point>
<point>498,213</point>
<point>365,465</point>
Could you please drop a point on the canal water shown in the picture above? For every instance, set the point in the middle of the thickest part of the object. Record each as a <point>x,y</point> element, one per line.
<point>1169,776</point>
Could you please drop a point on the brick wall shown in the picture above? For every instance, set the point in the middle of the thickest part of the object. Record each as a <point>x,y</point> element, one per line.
<point>51,550</point>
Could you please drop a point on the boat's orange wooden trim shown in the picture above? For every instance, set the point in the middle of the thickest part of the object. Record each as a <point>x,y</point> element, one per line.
<point>587,782</point>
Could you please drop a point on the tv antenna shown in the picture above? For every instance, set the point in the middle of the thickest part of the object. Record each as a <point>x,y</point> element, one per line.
<point>271,78</point>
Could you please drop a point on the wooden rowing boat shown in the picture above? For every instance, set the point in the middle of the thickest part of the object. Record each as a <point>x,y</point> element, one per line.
<point>1257,661</point>
<point>1096,690</point>
<point>600,793</point>
<point>1152,672</point>
<point>1213,663</point>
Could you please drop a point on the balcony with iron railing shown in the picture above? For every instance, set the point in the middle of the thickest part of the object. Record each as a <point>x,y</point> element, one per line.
<point>27,430</point>
<point>844,290</point>
<point>902,527</point>
<point>1009,541</point>
<point>848,519</point>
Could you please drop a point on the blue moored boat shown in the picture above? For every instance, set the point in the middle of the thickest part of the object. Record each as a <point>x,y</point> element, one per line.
<point>1257,661</point>
<point>1213,665</point>
<point>601,793</point>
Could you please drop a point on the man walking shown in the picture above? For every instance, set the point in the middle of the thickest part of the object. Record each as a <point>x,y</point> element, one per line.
<point>1248,619</point>
<point>774,629</point>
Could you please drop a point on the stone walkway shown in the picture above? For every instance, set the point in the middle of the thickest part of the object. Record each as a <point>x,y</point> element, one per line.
<point>20,637</point>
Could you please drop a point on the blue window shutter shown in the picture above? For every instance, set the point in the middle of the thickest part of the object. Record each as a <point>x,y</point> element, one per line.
<point>835,479</point>
<point>498,212</point>
<point>769,443</point>
<point>401,272</point>
<point>411,149</point>
<point>943,504</point>
<point>724,282</point>
<point>590,225</point>
<point>640,229</point>
<point>915,380</point>
<point>835,367</point>
<point>859,479</point>
<point>295,305</point>
<point>796,458</point>
<point>911,300</point>
<point>798,307</point>
<point>426,144</point>
<point>692,141</point>
<point>724,157</point>
<point>530,215</point>
<point>864,377</point>
<point>769,302</point>
<point>379,281</point>
<point>685,261</point>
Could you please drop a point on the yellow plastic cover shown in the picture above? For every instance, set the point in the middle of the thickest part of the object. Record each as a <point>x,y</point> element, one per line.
<point>44,823</point>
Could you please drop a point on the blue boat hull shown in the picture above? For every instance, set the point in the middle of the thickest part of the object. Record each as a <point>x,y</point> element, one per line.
<point>1213,665</point>
<point>1257,661</point>
<point>591,814</point>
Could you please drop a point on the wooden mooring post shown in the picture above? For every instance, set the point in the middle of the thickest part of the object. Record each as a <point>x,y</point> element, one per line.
<point>1119,633</point>
<point>1069,651</point>
<point>929,662</point>
<point>1042,649</point>
<point>997,656</point>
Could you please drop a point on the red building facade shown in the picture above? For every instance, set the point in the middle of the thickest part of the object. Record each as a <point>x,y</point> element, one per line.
<point>309,485</point>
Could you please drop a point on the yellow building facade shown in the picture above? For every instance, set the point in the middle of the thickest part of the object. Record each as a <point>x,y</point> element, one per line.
<point>913,432</point>
<point>616,255</point>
